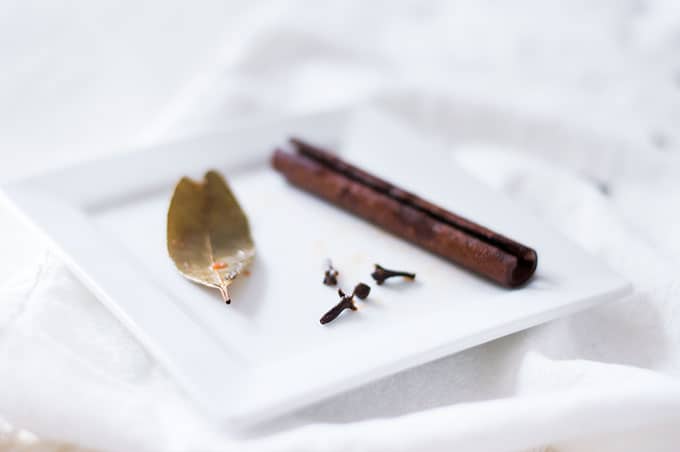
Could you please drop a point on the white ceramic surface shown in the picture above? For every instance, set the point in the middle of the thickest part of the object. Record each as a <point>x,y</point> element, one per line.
<point>266,353</point>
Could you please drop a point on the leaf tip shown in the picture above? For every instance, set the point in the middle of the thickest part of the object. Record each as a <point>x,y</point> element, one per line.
<point>224,291</point>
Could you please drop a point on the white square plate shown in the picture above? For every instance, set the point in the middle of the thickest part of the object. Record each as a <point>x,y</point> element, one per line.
<point>266,353</point>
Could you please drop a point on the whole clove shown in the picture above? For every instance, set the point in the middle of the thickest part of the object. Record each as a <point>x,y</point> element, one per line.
<point>346,302</point>
<point>331,275</point>
<point>380,274</point>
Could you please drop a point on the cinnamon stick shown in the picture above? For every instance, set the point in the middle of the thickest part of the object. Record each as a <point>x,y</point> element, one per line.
<point>407,215</point>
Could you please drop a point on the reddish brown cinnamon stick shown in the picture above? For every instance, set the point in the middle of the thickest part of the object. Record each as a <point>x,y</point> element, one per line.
<point>406,215</point>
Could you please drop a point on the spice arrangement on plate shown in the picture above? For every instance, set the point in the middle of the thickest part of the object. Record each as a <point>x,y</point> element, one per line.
<point>209,240</point>
<point>208,235</point>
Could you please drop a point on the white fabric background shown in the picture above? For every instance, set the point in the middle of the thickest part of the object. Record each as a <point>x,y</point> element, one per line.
<point>81,80</point>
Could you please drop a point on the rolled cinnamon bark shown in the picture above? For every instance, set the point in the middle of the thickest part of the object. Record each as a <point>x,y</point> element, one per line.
<point>407,215</point>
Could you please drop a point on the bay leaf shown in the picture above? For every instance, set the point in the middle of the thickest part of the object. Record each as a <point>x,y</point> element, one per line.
<point>208,236</point>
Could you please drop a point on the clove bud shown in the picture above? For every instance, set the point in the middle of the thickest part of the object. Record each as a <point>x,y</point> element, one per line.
<point>331,275</point>
<point>380,274</point>
<point>362,290</point>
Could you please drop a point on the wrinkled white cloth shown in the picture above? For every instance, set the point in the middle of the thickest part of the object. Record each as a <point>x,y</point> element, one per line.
<point>579,102</point>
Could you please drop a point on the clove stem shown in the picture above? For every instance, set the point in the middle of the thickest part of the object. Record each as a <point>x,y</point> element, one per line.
<point>345,303</point>
<point>380,274</point>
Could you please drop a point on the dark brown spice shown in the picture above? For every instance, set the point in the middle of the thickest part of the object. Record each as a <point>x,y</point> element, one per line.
<point>407,215</point>
<point>380,274</point>
<point>346,302</point>
<point>362,291</point>
<point>330,277</point>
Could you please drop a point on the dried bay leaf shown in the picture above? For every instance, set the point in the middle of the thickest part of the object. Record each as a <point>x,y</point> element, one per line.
<point>208,234</point>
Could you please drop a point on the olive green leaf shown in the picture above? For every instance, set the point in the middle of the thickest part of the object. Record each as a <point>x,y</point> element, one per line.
<point>208,234</point>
